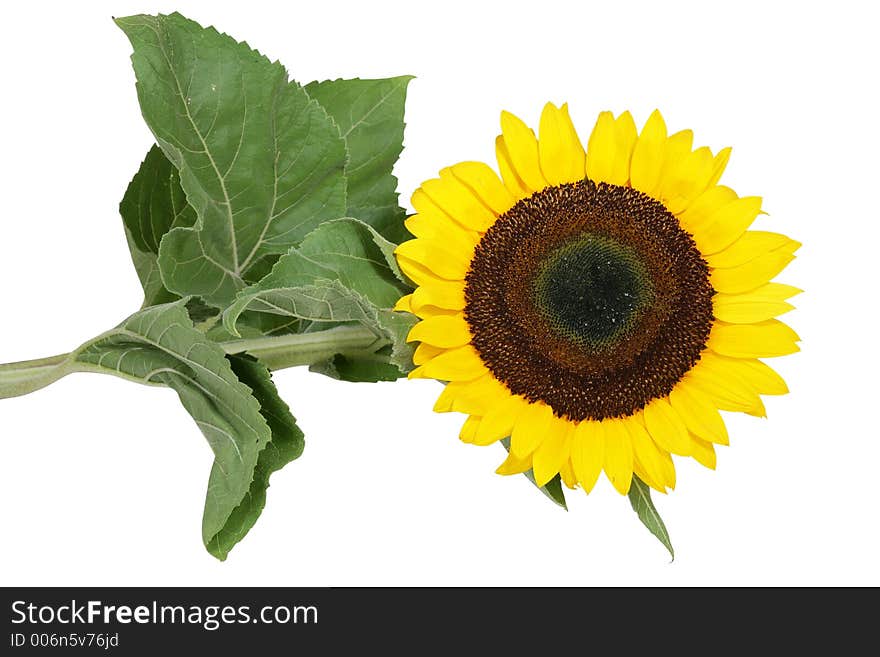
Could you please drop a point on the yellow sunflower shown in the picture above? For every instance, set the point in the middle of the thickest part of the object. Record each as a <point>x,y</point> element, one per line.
<point>599,306</point>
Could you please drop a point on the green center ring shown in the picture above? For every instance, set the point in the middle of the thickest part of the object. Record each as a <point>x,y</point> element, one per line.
<point>591,290</point>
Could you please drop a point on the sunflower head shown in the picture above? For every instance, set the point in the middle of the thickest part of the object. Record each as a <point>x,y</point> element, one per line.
<point>600,306</point>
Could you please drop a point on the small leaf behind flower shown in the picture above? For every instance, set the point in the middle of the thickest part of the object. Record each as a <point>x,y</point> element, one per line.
<point>369,114</point>
<point>552,489</point>
<point>153,204</point>
<point>643,505</point>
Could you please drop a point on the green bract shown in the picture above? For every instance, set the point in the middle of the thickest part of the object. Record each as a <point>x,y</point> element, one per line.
<point>262,226</point>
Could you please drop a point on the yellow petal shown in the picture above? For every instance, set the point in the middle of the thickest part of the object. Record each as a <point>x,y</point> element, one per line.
<point>752,274</point>
<point>775,291</point>
<point>647,157</point>
<point>419,274</point>
<point>640,472</point>
<point>618,461</point>
<point>699,172</point>
<point>686,180</point>
<point>726,390</point>
<point>678,145</point>
<point>719,164</point>
<point>675,150</point>
<point>485,183</point>
<point>727,224</point>
<point>446,295</point>
<point>522,147</point>
<point>566,473</point>
<point>424,311</point>
<point>699,414</point>
<point>625,135</point>
<point>404,304</point>
<point>499,421</point>
<point>610,148</point>
<point>704,452</point>
<point>441,331</point>
<point>752,244</point>
<point>447,398</point>
<point>759,340</point>
<point>669,469</point>
<point>602,149</point>
<point>560,152</point>
<point>444,231</point>
<point>428,213</point>
<point>766,380</point>
<point>700,213</point>
<point>588,453</point>
<point>474,397</point>
<point>459,364</point>
<point>436,257</point>
<point>666,427</point>
<point>553,451</point>
<point>514,465</point>
<point>647,454</point>
<point>747,308</point>
<point>458,201</point>
<point>530,429</point>
<point>762,378</point>
<point>514,184</point>
<point>425,352</point>
<point>469,429</point>
<point>724,398</point>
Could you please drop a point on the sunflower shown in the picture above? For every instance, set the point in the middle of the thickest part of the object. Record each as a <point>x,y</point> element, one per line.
<point>600,306</point>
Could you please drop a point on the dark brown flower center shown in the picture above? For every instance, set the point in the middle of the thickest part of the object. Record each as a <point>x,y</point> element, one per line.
<point>590,298</point>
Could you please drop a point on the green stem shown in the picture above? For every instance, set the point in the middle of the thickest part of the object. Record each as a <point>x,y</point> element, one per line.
<point>277,352</point>
<point>18,379</point>
<point>280,351</point>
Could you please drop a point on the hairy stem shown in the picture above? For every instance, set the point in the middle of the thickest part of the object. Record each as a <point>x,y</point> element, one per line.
<point>277,352</point>
<point>18,379</point>
<point>280,351</point>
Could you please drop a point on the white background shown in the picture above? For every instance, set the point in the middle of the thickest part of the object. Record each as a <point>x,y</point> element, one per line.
<point>102,481</point>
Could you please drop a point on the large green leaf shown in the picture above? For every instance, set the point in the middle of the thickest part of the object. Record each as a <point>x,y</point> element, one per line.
<point>286,445</point>
<point>231,398</point>
<point>640,499</point>
<point>261,163</point>
<point>153,204</point>
<point>369,114</point>
<point>343,272</point>
<point>159,345</point>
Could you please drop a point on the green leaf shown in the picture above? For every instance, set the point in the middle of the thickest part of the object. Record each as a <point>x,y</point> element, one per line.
<point>153,204</point>
<point>343,272</point>
<point>159,345</point>
<point>640,498</point>
<point>147,267</point>
<point>255,325</point>
<point>369,114</point>
<point>357,370</point>
<point>552,489</point>
<point>260,162</point>
<point>286,445</point>
<point>360,259</point>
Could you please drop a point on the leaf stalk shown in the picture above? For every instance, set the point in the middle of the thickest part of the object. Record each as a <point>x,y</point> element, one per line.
<point>276,352</point>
